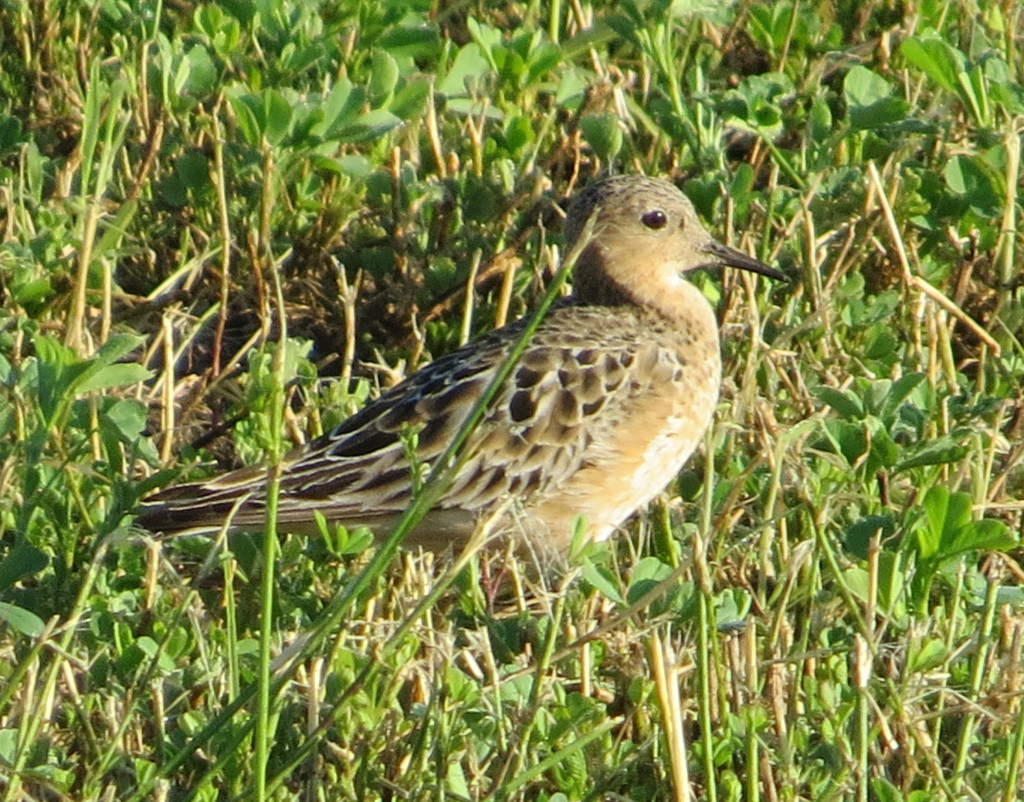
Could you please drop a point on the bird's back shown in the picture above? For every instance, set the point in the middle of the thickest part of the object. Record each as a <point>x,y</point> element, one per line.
<point>597,415</point>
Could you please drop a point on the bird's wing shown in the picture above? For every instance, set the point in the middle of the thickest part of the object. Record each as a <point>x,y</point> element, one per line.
<point>540,429</point>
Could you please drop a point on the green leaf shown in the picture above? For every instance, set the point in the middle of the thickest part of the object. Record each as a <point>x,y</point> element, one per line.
<point>223,31</point>
<point>487,38</point>
<point>892,577</point>
<point>247,120</point>
<point>731,608</point>
<point>857,581</point>
<point>842,401</point>
<point>9,739</point>
<point>884,451</point>
<point>949,530</point>
<point>371,125</point>
<point>935,58</point>
<point>648,573</point>
<point>278,116</point>
<point>885,791</point>
<point>928,655</point>
<point>113,376</point>
<point>518,133</point>
<point>411,100</point>
<point>958,513</point>
<point>973,179</point>
<point>31,292</point>
<point>859,534</point>
<point>384,75</point>
<point>897,393</point>
<point>193,170</point>
<point>20,562</point>
<point>543,59</point>
<point>869,100</point>
<point>22,620</point>
<point>820,120</point>
<point>984,535</point>
<point>937,451</point>
<point>411,41</point>
<point>201,78</point>
<point>11,132</point>
<point>848,439</point>
<point>455,781</point>
<point>603,133</point>
<point>602,580</point>
<point>150,648</point>
<point>1013,595</point>
<point>264,116</point>
<point>757,102</point>
<point>101,372</point>
<point>127,417</point>
<point>57,371</point>
<point>929,533</point>
<point>340,108</point>
<point>470,67</point>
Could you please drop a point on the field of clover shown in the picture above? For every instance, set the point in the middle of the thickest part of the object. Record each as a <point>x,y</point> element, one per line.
<point>226,225</point>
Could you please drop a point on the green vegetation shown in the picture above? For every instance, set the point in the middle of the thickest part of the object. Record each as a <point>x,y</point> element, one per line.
<point>224,225</point>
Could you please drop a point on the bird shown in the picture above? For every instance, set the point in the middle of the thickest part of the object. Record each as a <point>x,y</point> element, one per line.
<point>603,408</point>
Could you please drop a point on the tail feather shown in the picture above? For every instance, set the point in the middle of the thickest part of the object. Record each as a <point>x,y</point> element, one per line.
<point>199,509</point>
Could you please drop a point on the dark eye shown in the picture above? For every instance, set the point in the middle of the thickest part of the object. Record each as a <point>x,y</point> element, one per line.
<point>654,219</point>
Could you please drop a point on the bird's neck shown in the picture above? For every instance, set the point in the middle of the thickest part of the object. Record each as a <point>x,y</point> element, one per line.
<point>651,288</point>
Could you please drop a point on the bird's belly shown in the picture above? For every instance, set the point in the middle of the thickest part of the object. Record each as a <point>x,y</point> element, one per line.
<point>633,465</point>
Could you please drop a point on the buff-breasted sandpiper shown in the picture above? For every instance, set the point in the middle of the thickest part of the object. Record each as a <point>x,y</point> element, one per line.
<point>602,410</point>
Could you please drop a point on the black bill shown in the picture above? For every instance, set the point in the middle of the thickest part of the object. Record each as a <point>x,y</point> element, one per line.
<point>730,257</point>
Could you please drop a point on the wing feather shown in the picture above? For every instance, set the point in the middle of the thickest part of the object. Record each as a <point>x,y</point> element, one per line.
<point>539,431</point>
